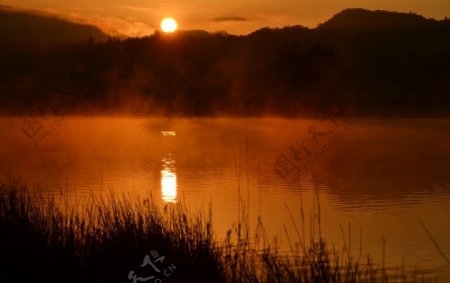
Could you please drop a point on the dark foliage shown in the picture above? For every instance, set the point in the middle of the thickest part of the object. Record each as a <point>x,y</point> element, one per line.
<point>367,63</point>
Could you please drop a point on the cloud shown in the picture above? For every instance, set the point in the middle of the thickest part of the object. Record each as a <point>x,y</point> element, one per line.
<point>230,19</point>
<point>136,8</point>
<point>114,26</point>
<point>119,26</point>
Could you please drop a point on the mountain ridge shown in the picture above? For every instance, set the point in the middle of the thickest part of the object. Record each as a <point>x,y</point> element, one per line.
<point>362,19</point>
<point>21,26</point>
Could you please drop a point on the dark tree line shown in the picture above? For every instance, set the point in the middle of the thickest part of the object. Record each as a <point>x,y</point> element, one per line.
<point>400,68</point>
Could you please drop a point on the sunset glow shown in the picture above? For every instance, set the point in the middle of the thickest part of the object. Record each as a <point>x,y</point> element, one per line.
<point>142,18</point>
<point>188,141</point>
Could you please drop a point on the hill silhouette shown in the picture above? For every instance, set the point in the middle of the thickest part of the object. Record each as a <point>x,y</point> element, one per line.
<point>365,63</point>
<point>17,26</point>
<point>360,19</point>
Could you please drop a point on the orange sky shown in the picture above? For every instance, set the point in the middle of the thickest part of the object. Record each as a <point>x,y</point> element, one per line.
<point>142,17</point>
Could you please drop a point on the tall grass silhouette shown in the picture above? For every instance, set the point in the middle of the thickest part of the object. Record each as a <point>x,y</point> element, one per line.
<point>42,240</point>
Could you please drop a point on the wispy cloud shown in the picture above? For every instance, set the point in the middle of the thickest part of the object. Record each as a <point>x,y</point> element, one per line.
<point>115,26</point>
<point>230,19</point>
<point>136,8</point>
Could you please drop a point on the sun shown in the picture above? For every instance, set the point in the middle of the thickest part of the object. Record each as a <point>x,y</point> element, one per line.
<point>169,25</point>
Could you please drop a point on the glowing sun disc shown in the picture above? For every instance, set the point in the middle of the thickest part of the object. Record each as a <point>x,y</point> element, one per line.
<point>169,25</point>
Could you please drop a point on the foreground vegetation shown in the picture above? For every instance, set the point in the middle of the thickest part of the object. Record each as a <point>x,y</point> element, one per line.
<point>114,240</point>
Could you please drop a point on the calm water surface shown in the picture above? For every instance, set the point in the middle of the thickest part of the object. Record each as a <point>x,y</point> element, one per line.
<point>373,178</point>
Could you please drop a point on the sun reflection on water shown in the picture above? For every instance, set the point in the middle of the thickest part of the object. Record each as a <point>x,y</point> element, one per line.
<point>168,175</point>
<point>168,133</point>
<point>169,180</point>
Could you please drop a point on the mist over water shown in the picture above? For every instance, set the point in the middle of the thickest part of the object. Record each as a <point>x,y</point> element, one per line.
<point>374,177</point>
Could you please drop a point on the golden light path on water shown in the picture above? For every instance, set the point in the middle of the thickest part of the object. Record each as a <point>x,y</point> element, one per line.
<point>168,174</point>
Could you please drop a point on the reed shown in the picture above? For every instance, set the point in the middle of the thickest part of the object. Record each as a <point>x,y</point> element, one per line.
<point>41,240</point>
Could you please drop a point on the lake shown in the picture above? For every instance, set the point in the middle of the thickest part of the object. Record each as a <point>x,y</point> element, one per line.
<point>372,179</point>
